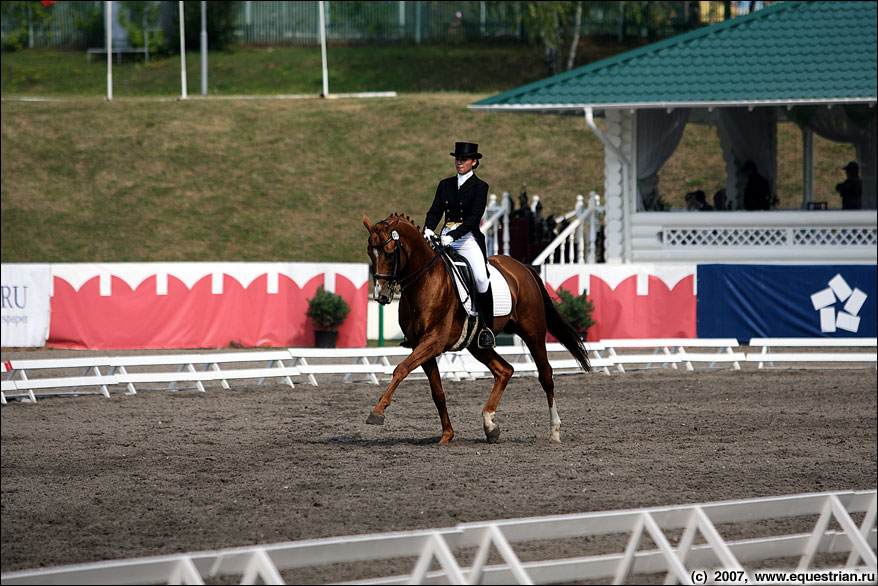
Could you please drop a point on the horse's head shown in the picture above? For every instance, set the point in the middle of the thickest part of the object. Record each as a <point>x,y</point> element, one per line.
<point>390,248</point>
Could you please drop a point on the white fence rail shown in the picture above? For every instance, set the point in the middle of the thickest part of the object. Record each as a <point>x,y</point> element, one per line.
<point>571,242</point>
<point>695,529</point>
<point>29,379</point>
<point>495,219</point>
<point>790,236</point>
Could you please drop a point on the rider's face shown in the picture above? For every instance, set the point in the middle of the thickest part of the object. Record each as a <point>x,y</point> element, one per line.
<point>463,165</point>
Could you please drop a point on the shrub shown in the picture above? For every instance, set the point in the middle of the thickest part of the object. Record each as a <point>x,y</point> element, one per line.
<point>576,310</point>
<point>327,310</point>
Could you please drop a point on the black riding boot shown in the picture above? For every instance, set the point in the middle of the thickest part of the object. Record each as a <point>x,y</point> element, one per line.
<point>486,312</point>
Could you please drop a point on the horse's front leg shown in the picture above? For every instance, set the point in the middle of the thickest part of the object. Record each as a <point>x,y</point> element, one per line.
<point>423,352</point>
<point>432,370</point>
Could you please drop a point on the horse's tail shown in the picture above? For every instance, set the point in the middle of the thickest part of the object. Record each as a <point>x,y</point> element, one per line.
<point>559,327</point>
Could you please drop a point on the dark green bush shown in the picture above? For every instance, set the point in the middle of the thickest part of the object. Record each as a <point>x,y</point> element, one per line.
<point>327,310</point>
<point>576,310</point>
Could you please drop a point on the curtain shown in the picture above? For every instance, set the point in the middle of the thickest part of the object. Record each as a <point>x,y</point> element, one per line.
<point>744,135</point>
<point>853,124</point>
<point>658,134</point>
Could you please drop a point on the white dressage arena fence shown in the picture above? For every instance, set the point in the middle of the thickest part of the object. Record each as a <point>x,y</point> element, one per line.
<point>29,379</point>
<point>685,543</point>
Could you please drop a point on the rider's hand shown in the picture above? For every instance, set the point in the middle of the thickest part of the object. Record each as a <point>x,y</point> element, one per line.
<point>429,234</point>
<point>447,240</point>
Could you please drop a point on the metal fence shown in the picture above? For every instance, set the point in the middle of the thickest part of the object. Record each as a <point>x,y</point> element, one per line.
<point>75,24</point>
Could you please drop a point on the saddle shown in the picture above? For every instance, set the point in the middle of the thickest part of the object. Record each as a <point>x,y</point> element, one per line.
<point>465,288</point>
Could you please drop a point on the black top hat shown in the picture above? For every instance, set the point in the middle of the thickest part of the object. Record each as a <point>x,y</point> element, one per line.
<point>466,150</point>
<point>851,165</point>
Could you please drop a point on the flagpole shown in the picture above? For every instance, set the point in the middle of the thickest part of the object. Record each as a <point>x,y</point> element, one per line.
<point>203,48</point>
<point>182,54</point>
<point>109,33</point>
<point>320,5</point>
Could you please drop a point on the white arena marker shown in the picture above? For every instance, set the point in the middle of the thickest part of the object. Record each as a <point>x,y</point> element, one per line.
<point>856,301</point>
<point>840,286</point>
<point>847,322</point>
<point>823,298</point>
<point>827,319</point>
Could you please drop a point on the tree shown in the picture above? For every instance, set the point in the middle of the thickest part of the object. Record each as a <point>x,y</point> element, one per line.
<point>554,24</point>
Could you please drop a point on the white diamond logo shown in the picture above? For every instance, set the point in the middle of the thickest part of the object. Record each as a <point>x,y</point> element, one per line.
<point>826,300</point>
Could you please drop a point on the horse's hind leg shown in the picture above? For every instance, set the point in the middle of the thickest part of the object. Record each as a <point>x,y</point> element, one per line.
<point>537,347</point>
<point>432,370</point>
<point>502,372</point>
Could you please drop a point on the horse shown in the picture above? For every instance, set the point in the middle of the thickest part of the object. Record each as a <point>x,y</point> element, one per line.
<point>433,319</point>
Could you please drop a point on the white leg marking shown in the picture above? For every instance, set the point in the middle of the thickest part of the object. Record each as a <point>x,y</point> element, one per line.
<point>488,421</point>
<point>555,422</point>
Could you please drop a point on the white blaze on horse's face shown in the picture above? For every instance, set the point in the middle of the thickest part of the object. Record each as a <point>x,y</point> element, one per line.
<point>383,293</point>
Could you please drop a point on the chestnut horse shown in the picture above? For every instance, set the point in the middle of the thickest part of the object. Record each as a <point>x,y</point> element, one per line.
<point>432,319</point>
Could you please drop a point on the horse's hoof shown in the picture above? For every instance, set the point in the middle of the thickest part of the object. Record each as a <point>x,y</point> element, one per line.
<point>493,435</point>
<point>375,419</point>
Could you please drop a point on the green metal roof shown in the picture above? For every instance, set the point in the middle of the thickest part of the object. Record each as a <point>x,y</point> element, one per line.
<point>788,53</point>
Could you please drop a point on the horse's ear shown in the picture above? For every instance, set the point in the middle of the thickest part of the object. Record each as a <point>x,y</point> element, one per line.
<point>367,223</point>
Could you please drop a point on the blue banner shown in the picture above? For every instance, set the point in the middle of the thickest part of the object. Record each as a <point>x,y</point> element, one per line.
<point>786,301</point>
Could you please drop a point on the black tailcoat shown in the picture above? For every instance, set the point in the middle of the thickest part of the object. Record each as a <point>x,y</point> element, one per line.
<point>465,205</point>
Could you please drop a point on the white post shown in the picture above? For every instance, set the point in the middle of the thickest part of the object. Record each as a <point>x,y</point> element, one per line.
<point>109,6</point>
<point>203,48</point>
<point>594,203</point>
<point>580,232</point>
<point>320,7</point>
<point>184,93</point>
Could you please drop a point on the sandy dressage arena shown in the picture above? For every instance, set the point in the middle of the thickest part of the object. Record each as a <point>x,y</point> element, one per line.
<point>91,478</point>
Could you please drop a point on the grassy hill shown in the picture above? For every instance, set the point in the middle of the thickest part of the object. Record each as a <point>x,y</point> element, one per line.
<point>147,177</point>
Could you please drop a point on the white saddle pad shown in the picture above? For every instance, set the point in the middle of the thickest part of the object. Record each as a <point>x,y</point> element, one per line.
<point>499,288</point>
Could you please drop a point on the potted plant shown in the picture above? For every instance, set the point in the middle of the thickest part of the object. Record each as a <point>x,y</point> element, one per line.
<point>576,310</point>
<point>327,312</point>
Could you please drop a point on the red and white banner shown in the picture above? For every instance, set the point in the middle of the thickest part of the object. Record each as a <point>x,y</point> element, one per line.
<point>633,301</point>
<point>199,305</point>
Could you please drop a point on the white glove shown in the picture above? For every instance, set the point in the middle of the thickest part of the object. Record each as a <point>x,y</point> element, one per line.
<point>428,234</point>
<point>447,240</point>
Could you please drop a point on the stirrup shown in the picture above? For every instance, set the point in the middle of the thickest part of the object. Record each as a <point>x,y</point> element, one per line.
<point>486,339</point>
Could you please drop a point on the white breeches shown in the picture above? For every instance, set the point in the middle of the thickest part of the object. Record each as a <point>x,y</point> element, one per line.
<point>468,248</point>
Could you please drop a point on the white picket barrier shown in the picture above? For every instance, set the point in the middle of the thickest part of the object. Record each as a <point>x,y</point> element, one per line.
<point>673,351</point>
<point>68,376</point>
<point>700,547</point>
<point>766,355</point>
<point>134,371</point>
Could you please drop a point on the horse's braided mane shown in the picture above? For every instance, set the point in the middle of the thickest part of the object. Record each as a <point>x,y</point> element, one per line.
<point>399,216</point>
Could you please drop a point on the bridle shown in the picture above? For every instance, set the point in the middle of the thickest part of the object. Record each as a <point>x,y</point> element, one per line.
<point>397,281</point>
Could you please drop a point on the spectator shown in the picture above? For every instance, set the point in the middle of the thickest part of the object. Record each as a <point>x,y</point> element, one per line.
<point>701,200</point>
<point>757,192</point>
<point>691,202</point>
<point>719,200</point>
<point>851,190</point>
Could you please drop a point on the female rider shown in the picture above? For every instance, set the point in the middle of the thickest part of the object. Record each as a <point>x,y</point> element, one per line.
<point>462,198</point>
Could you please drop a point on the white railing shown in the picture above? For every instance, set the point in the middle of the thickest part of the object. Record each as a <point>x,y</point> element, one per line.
<point>571,242</point>
<point>700,554</point>
<point>30,379</point>
<point>496,217</point>
<point>782,236</point>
